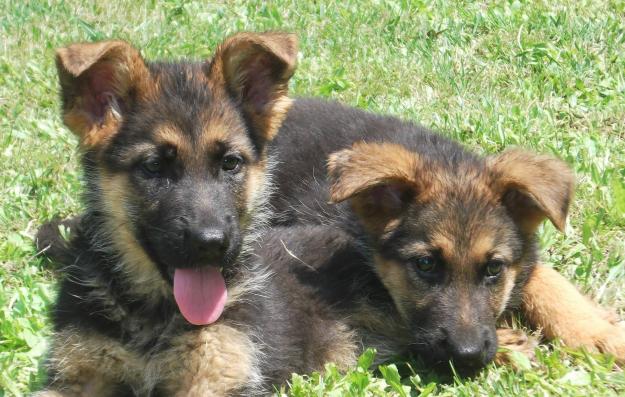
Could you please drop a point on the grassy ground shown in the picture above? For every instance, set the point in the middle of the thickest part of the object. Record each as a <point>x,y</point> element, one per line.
<point>545,75</point>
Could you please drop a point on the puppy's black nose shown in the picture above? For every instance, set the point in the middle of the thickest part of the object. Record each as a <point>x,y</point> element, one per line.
<point>468,354</point>
<point>207,244</point>
<point>470,348</point>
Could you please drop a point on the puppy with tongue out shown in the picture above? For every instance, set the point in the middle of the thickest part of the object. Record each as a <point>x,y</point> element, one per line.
<point>175,160</point>
<point>201,294</point>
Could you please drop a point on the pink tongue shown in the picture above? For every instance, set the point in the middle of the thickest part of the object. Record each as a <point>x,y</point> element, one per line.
<point>200,294</point>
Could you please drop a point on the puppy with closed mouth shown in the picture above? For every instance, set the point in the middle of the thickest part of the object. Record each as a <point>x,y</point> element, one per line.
<point>432,242</point>
<point>161,295</point>
<point>446,239</point>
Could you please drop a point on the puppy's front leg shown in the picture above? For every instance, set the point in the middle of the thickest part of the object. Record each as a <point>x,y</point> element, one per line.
<point>85,364</point>
<point>552,303</point>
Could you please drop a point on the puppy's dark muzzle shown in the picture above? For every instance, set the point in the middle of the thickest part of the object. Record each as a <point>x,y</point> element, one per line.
<point>470,348</point>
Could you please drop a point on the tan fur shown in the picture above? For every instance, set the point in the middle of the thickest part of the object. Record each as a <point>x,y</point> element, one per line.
<point>218,127</point>
<point>279,111</point>
<point>255,184</point>
<point>503,297</point>
<point>234,62</point>
<point>553,304</point>
<point>127,70</point>
<point>418,248</point>
<point>514,340</point>
<point>168,134</point>
<point>536,186</point>
<point>213,361</point>
<point>213,136</point>
<point>532,186</point>
<point>220,132</point>
<point>366,165</point>
<point>396,280</point>
<point>90,364</point>
<point>482,245</point>
<point>136,265</point>
<point>93,134</point>
<point>444,242</point>
<point>344,351</point>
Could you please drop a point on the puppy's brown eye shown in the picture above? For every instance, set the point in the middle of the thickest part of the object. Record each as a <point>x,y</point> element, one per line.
<point>231,163</point>
<point>426,264</point>
<point>152,167</point>
<point>494,268</point>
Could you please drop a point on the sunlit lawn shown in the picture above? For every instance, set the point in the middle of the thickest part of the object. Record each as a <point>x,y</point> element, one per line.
<point>545,75</point>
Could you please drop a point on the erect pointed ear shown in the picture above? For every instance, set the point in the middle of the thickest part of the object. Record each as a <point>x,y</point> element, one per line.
<point>255,69</point>
<point>379,179</point>
<point>533,187</point>
<point>98,82</point>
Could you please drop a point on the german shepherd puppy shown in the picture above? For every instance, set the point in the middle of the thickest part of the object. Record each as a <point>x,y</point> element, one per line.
<point>448,237</point>
<point>161,294</point>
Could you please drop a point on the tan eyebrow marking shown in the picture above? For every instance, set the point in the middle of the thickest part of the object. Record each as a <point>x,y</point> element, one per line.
<point>445,245</point>
<point>230,143</point>
<point>130,153</point>
<point>417,248</point>
<point>480,247</point>
<point>169,134</point>
<point>211,136</point>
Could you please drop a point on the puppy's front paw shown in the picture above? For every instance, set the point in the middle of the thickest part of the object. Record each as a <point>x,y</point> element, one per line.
<point>514,340</point>
<point>609,339</point>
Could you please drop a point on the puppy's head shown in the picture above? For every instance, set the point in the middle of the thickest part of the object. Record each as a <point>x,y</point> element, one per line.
<point>175,153</point>
<point>453,236</point>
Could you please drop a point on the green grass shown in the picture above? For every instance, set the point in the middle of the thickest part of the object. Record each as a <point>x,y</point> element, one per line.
<point>545,75</point>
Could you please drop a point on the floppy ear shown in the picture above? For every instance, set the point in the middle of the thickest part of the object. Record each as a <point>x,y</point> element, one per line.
<point>98,82</point>
<point>255,69</point>
<point>379,179</point>
<point>533,187</point>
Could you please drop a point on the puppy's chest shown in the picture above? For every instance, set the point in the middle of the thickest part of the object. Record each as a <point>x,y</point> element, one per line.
<point>178,360</point>
<point>211,360</point>
<point>169,356</point>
